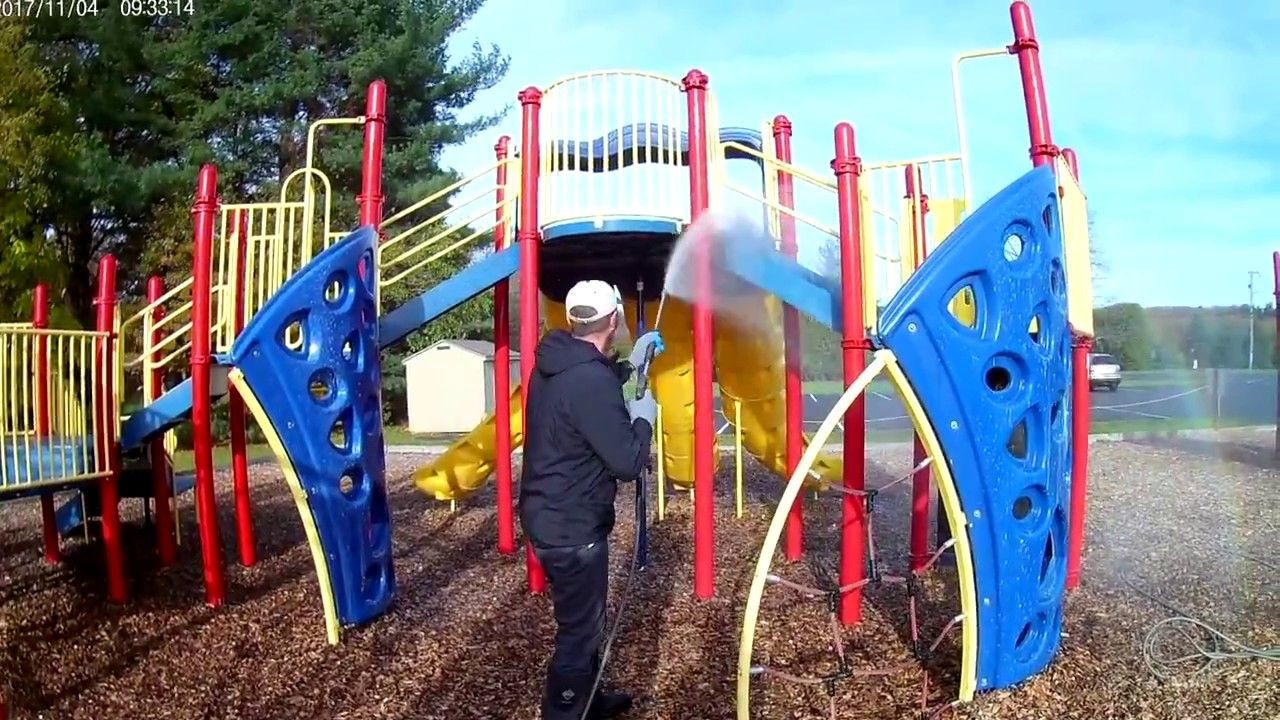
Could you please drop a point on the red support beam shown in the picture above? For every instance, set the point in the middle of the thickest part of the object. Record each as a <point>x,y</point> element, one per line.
<point>108,446</point>
<point>40,321</point>
<point>370,198</point>
<point>918,554</point>
<point>848,167</point>
<point>502,367</point>
<point>704,431</point>
<point>203,213</point>
<point>792,342</point>
<point>1073,161</point>
<point>1080,412</point>
<point>236,410</point>
<point>530,239</point>
<point>1027,48</point>
<point>161,468</point>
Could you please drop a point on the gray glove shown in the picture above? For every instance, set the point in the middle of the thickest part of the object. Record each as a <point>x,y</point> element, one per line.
<point>644,407</point>
<point>641,348</point>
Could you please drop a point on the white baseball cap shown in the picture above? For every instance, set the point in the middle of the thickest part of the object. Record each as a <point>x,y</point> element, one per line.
<point>598,295</point>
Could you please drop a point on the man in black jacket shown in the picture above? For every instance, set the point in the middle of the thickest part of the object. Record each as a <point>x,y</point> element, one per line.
<point>581,438</point>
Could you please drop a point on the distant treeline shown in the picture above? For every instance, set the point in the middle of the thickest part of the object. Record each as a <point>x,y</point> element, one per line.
<point>1182,337</point>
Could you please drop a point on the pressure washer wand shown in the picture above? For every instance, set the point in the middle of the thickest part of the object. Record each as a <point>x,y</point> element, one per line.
<point>642,384</point>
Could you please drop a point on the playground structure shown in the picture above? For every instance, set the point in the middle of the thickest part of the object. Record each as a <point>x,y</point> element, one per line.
<point>285,316</point>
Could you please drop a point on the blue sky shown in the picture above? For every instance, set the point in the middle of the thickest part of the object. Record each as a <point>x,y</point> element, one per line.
<point>1171,105</point>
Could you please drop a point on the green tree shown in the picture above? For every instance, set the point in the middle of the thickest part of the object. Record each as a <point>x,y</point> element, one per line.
<point>1125,333</point>
<point>239,83</point>
<point>35,143</point>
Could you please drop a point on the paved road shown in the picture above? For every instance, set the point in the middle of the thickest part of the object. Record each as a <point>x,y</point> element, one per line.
<point>1245,397</point>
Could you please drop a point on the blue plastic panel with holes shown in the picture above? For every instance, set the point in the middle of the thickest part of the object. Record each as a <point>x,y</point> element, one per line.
<point>996,394</point>
<point>311,357</point>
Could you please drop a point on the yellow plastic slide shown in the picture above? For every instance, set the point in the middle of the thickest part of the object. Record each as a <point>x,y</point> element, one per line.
<point>469,462</point>
<point>749,366</point>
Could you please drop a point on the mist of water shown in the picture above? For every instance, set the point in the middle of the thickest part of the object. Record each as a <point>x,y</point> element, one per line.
<point>719,233</point>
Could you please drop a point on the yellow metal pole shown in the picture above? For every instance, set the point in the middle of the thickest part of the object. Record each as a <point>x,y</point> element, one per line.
<point>959,107</point>
<point>737,453</point>
<point>662,475</point>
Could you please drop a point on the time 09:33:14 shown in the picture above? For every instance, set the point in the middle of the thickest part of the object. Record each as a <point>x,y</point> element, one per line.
<point>153,8</point>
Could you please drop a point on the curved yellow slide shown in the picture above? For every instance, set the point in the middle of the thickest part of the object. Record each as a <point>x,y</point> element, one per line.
<point>749,366</point>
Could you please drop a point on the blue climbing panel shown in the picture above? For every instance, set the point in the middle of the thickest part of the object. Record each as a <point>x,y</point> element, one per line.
<point>323,397</point>
<point>997,396</point>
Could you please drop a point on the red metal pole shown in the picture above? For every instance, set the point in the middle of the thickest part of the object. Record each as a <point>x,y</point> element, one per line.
<point>1072,161</point>
<point>166,546</point>
<point>108,489</point>
<point>1027,49</point>
<point>1080,347</point>
<point>502,368</point>
<point>793,349</point>
<point>1080,399</point>
<point>375,127</point>
<point>529,238</point>
<point>206,206</point>
<point>40,321</point>
<point>704,438</point>
<point>918,554</point>
<point>236,410</point>
<point>848,167</point>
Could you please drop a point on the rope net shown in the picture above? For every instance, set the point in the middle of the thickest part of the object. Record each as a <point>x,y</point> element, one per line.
<point>924,646</point>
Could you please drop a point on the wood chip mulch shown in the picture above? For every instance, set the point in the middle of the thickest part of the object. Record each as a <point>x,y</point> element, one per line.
<point>1194,525</point>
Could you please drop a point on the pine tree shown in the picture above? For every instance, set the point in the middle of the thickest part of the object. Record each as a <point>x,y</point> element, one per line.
<point>239,83</point>
<point>35,143</point>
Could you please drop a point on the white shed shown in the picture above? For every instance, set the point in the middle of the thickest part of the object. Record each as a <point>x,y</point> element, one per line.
<point>449,385</point>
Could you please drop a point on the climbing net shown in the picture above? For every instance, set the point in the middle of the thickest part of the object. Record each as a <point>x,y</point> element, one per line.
<point>827,589</point>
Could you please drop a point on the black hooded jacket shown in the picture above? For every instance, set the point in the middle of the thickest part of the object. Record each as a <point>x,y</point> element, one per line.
<point>579,441</point>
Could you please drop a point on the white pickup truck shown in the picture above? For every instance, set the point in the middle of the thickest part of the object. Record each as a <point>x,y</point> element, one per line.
<point>1104,371</point>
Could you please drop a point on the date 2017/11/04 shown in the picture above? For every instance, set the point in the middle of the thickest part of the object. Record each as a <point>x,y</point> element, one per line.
<point>94,8</point>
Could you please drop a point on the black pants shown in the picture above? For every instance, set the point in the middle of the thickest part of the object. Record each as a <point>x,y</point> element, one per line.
<point>579,577</point>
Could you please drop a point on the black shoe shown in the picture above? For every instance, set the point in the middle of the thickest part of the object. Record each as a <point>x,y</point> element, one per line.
<point>609,705</point>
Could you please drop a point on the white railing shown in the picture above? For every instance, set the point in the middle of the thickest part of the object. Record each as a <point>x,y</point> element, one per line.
<point>613,146</point>
<point>940,179</point>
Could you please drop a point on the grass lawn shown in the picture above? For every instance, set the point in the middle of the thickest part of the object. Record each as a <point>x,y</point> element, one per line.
<point>1098,428</point>
<point>183,462</point>
<point>1136,379</point>
<point>400,436</point>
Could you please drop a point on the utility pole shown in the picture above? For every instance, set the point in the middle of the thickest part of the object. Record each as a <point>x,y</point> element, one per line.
<point>1251,274</point>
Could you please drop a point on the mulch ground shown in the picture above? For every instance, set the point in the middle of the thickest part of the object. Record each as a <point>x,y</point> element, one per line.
<point>1194,525</point>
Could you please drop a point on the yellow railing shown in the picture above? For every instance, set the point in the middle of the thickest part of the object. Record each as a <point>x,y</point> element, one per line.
<point>649,178</point>
<point>57,436</point>
<point>939,178</point>
<point>413,241</point>
<point>164,341</point>
<point>279,237</point>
